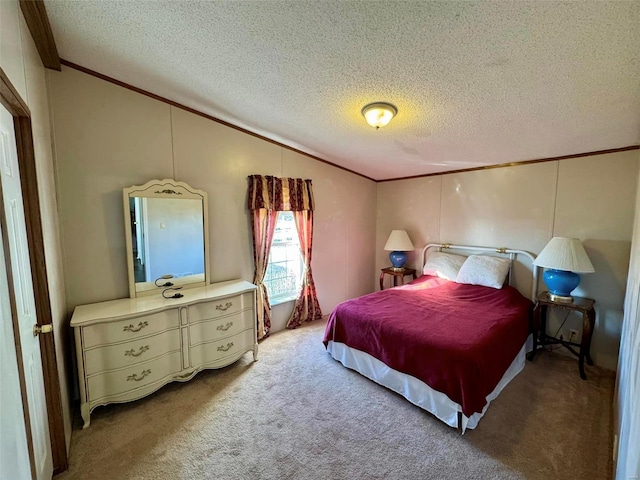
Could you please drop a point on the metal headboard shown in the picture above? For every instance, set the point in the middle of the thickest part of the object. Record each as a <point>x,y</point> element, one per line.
<point>501,250</point>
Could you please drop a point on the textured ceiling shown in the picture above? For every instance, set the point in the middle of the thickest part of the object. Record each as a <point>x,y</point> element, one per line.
<point>475,83</point>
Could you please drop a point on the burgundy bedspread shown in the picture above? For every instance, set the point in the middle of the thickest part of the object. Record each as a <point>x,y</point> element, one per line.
<point>459,339</point>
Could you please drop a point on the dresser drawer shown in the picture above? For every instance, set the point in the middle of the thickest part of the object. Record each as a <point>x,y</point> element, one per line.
<point>120,381</point>
<point>131,329</point>
<point>221,350</point>
<point>109,357</point>
<point>221,328</point>
<point>219,308</point>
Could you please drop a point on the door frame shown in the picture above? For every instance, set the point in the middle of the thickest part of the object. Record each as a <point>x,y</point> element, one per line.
<point>13,102</point>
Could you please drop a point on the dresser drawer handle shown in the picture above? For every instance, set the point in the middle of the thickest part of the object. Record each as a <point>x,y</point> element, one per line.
<point>225,327</point>
<point>131,328</point>
<point>225,307</point>
<point>137,378</point>
<point>133,353</point>
<point>225,348</point>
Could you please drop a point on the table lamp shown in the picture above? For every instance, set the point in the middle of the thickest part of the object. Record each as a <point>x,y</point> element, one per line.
<point>564,258</point>
<point>399,243</point>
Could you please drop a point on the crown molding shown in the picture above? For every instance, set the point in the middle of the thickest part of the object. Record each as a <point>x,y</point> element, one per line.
<point>515,164</point>
<point>106,78</point>
<point>248,132</point>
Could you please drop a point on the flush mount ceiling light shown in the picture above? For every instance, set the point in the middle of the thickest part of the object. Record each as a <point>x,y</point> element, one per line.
<point>378,114</point>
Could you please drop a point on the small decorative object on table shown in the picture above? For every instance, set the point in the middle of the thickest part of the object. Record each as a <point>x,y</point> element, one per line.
<point>540,337</point>
<point>397,273</point>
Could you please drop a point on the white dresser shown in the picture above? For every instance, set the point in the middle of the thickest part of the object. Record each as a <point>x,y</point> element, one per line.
<point>129,348</point>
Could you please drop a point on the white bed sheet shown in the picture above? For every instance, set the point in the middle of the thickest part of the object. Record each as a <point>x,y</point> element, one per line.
<point>418,392</point>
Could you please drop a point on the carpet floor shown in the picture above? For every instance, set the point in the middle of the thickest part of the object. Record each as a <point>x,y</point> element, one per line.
<point>299,414</point>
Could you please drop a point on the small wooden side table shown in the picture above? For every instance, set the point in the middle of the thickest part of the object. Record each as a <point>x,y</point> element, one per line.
<point>398,275</point>
<point>540,337</point>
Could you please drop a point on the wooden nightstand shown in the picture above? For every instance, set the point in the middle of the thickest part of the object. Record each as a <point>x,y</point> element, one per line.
<point>540,337</point>
<point>398,274</point>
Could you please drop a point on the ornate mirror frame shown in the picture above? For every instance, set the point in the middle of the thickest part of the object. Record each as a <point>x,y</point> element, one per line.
<point>172,190</point>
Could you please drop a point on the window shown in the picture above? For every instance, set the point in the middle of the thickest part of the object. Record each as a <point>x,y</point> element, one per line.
<point>284,270</point>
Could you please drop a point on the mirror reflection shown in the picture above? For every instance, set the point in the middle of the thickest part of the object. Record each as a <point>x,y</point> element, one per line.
<point>167,242</point>
<point>167,238</point>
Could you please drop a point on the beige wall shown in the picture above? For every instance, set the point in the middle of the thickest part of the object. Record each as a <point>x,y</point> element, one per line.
<point>522,207</point>
<point>108,137</point>
<point>20,61</point>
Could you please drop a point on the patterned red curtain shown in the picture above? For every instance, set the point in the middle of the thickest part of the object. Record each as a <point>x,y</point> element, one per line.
<point>267,196</point>
<point>263,224</point>
<point>280,194</point>
<point>307,307</point>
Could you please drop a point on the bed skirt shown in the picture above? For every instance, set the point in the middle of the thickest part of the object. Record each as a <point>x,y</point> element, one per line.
<point>418,392</point>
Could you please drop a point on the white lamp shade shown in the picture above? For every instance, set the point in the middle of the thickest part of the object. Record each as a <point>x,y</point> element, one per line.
<point>562,253</point>
<point>399,241</point>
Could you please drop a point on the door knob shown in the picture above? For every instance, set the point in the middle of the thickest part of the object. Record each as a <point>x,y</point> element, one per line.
<point>38,329</point>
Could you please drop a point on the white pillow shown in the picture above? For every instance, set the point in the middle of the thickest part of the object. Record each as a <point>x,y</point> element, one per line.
<point>443,265</point>
<point>484,270</point>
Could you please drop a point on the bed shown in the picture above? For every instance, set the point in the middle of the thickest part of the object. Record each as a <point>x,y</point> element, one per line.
<point>448,347</point>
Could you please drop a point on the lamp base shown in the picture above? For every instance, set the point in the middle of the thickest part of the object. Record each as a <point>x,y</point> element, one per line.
<point>559,298</point>
<point>398,259</point>
<point>560,284</point>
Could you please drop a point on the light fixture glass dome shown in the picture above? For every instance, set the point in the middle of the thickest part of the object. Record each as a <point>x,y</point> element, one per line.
<point>379,114</point>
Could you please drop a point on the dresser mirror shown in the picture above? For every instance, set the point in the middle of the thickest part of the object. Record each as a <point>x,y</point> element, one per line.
<point>167,236</point>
